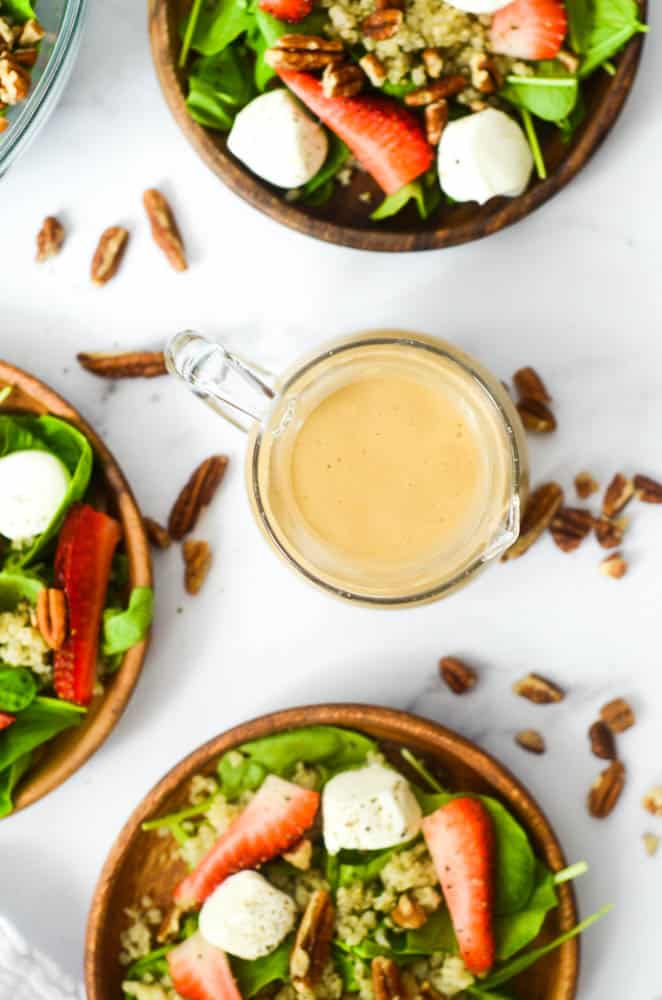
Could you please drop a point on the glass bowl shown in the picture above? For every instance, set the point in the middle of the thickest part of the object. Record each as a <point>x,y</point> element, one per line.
<point>63,22</point>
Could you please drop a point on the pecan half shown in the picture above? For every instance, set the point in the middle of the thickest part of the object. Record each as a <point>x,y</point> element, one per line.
<point>539,512</point>
<point>436,120</point>
<point>529,385</point>
<point>197,494</point>
<point>570,527</point>
<point>585,485</point>
<point>614,566</point>
<point>304,52</point>
<point>606,790</point>
<point>458,676</point>
<point>157,535</point>
<point>312,945</point>
<point>344,80</point>
<point>536,416</point>
<point>531,740</point>
<point>49,238</point>
<point>618,715</point>
<point>108,254</point>
<point>433,62</point>
<point>300,856</point>
<point>165,231</point>
<point>408,913</point>
<point>386,980</point>
<point>619,492</point>
<point>14,80</point>
<point>485,75</point>
<point>539,690</point>
<point>124,364</point>
<point>197,560</point>
<point>602,741</point>
<point>652,801</point>
<point>434,91</point>
<point>373,68</point>
<point>52,616</point>
<point>609,533</point>
<point>382,24</point>
<point>26,57</point>
<point>647,490</point>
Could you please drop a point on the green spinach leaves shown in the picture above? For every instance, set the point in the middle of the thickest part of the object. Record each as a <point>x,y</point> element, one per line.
<point>600,28</point>
<point>124,629</point>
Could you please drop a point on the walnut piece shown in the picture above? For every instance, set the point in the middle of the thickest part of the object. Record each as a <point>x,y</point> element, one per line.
<point>344,80</point>
<point>14,80</point>
<point>408,913</point>
<point>49,238</point>
<point>382,24</point>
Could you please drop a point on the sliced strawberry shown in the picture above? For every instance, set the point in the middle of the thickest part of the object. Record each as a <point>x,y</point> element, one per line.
<point>199,971</point>
<point>287,10</point>
<point>529,29</point>
<point>460,838</point>
<point>6,720</point>
<point>386,139</point>
<point>271,822</point>
<point>82,569</point>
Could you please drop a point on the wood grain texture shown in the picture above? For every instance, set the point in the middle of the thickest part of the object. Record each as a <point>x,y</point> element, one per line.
<point>142,864</point>
<point>66,754</point>
<point>345,218</point>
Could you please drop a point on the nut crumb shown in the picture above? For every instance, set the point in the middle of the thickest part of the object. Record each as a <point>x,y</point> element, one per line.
<point>197,560</point>
<point>585,485</point>
<point>531,740</point>
<point>157,535</point>
<point>651,844</point>
<point>618,715</point>
<point>539,690</point>
<point>652,801</point>
<point>614,566</point>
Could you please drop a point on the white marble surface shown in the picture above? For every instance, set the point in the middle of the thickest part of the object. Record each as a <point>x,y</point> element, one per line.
<point>575,291</point>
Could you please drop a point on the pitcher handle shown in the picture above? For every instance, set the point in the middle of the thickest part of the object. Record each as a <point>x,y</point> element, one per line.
<point>219,378</point>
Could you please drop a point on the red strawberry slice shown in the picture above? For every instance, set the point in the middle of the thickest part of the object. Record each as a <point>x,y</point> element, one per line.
<point>529,29</point>
<point>82,569</point>
<point>386,139</point>
<point>460,838</point>
<point>6,720</point>
<point>199,971</point>
<point>272,821</point>
<point>287,10</point>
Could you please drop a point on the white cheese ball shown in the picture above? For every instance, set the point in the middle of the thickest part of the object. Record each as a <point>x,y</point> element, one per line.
<point>369,809</point>
<point>246,916</point>
<point>484,155</point>
<point>278,140</point>
<point>33,484</point>
<point>478,6</point>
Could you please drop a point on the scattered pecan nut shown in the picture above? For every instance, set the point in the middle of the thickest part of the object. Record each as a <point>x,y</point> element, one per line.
<point>618,715</point>
<point>197,560</point>
<point>108,254</point>
<point>165,231</point>
<point>485,75</point>
<point>652,801</point>
<point>382,24</point>
<point>49,238</point>
<point>539,513</point>
<point>52,616</point>
<point>614,566</point>
<point>606,790</point>
<point>458,676</point>
<point>408,913</point>
<point>124,364</point>
<point>609,533</point>
<point>539,690</point>
<point>647,490</point>
<point>344,80</point>
<point>373,68</point>
<point>602,741</point>
<point>529,385</point>
<point>570,526</point>
<point>536,416</point>
<point>157,535</point>
<point>531,740</point>
<point>197,494</point>
<point>433,61</point>
<point>304,52</point>
<point>619,493</point>
<point>448,86</point>
<point>585,485</point>
<point>386,980</point>
<point>436,120</point>
<point>300,856</point>
<point>312,945</point>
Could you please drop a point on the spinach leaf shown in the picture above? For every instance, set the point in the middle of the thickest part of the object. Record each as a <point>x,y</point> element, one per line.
<point>18,688</point>
<point>600,28</point>
<point>515,930</point>
<point>9,778</point>
<point>346,966</point>
<point>517,965</point>
<point>46,433</point>
<point>124,629</point>
<point>154,963</point>
<point>219,87</point>
<point>173,821</point>
<point>436,934</point>
<point>16,585</point>
<point>551,94</point>
<point>425,192</point>
<point>18,10</point>
<point>40,722</point>
<point>335,160</point>
<point>361,866</point>
<point>210,28</point>
<point>274,968</point>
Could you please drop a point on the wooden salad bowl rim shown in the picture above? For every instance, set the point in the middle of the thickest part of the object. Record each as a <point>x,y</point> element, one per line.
<point>69,751</point>
<point>482,221</point>
<point>384,724</point>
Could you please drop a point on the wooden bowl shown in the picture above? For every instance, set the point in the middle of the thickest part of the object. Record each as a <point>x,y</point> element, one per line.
<point>141,864</point>
<point>345,218</point>
<point>69,751</point>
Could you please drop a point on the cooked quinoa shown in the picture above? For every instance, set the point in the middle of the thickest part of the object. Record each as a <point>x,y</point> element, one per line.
<point>21,642</point>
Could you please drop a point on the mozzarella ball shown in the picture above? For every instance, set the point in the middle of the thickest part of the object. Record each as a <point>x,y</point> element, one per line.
<point>33,484</point>
<point>484,155</point>
<point>278,140</point>
<point>246,916</point>
<point>369,809</point>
